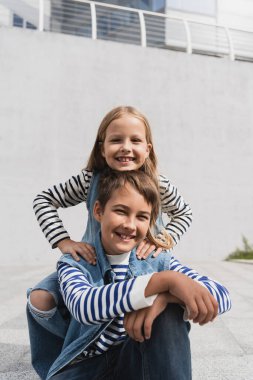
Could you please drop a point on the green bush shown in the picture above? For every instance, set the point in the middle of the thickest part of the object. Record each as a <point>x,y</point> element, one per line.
<point>245,253</point>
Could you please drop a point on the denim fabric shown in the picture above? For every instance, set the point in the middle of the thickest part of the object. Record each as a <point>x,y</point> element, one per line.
<point>45,346</point>
<point>78,336</point>
<point>166,355</point>
<point>92,226</point>
<point>50,329</point>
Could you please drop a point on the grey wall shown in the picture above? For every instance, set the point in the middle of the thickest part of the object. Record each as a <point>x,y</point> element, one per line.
<point>54,91</point>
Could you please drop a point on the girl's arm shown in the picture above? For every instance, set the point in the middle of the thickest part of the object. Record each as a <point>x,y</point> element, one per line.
<point>64,195</point>
<point>179,212</point>
<point>219,291</point>
<point>180,218</point>
<point>94,305</point>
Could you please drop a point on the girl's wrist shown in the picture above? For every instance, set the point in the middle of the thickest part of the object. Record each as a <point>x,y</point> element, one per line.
<point>62,242</point>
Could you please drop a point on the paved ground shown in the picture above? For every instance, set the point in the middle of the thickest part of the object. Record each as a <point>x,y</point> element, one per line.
<point>222,350</point>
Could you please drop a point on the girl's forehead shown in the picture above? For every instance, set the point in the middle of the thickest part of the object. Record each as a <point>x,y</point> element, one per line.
<point>125,124</point>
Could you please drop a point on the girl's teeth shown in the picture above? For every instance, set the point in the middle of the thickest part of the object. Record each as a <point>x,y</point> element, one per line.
<point>125,159</point>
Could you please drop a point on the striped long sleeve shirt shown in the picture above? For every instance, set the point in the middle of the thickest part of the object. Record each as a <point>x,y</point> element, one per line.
<point>92,305</point>
<point>75,190</point>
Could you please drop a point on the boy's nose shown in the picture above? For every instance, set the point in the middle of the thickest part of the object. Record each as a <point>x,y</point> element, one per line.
<point>129,225</point>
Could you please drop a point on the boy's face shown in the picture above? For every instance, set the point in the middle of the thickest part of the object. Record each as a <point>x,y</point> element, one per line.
<point>124,220</point>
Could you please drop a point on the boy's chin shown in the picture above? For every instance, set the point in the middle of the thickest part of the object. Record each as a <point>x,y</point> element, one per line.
<point>121,249</point>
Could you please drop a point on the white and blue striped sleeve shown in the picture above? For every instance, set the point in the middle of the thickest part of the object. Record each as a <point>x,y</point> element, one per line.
<point>94,305</point>
<point>219,291</point>
<point>173,204</point>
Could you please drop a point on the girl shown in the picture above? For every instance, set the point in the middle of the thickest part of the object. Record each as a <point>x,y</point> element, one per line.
<point>123,142</point>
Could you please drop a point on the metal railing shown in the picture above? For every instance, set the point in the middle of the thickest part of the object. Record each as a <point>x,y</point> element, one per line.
<point>116,23</point>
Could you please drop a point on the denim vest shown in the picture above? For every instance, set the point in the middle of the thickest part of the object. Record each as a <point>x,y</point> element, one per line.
<point>92,226</point>
<point>79,336</point>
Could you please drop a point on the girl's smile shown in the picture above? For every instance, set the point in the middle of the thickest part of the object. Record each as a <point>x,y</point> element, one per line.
<point>125,146</point>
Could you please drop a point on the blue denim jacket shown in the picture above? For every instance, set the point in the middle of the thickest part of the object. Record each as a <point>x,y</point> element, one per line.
<point>79,336</point>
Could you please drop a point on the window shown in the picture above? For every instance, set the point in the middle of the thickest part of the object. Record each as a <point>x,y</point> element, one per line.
<point>18,21</point>
<point>21,23</point>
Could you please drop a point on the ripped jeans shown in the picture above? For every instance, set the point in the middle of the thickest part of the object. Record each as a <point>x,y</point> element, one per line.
<point>47,329</point>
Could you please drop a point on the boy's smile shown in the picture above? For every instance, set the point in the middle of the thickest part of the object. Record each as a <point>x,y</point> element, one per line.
<point>124,221</point>
<point>125,146</point>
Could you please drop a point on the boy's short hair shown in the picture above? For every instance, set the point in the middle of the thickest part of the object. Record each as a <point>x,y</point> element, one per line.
<point>112,180</point>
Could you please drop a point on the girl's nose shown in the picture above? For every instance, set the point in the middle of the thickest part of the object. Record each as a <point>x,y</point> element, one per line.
<point>126,146</point>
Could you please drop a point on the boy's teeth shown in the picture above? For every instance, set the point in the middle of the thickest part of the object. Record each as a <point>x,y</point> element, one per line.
<point>125,236</point>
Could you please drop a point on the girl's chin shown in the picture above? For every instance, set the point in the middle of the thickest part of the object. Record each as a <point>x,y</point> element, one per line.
<point>126,166</point>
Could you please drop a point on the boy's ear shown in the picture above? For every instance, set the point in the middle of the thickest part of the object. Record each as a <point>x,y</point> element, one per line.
<point>97,211</point>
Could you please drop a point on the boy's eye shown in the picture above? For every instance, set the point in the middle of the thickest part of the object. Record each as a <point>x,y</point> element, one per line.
<point>120,211</point>
<point>144,217</point>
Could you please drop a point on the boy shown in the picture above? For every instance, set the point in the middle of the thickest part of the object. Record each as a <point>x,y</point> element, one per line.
<point>128,314</point>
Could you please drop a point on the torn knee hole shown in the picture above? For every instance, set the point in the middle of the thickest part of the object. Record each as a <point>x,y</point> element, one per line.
<point>42,300</point>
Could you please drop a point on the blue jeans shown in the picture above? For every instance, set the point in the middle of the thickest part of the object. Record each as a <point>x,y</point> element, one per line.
<point>47,333</point>
<point>165,356</point>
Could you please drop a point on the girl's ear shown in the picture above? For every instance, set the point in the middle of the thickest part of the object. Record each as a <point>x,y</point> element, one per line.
<point>101,146</point>
<point>97,211</point>
<point>149,147</point>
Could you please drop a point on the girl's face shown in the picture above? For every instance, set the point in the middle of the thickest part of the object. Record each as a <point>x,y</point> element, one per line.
<point>125,146</point>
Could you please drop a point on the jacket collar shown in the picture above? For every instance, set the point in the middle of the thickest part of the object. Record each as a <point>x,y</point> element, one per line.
<point>136,267</point>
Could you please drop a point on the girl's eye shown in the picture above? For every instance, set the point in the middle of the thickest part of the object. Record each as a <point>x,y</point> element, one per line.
<point>115,140</point>
<point>136,140</point>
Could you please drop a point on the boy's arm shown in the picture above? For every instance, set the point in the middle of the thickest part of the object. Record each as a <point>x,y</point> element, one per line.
<point>219,291</point>
<point>174,287</point>
<point>178,211</point>
<point>64,195</point>
<point>197,300</point>
<point>93,305</point>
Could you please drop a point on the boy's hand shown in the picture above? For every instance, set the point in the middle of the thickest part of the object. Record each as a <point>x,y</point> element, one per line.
<point>145,248</point>
<point>138,324</point>
<point>75,248</point>
<point>201,306</point>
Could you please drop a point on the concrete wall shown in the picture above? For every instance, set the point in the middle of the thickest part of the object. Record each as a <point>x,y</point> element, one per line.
<point>54,91</point>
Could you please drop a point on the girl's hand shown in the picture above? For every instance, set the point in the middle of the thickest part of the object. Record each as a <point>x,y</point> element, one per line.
<point>145,248</point>
<point>75,248</point>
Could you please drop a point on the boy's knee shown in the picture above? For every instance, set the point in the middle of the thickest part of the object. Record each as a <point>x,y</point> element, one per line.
<point>42,300</point>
